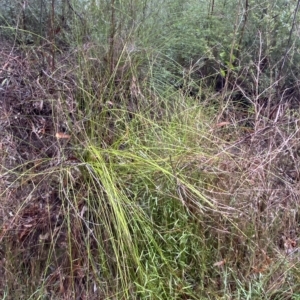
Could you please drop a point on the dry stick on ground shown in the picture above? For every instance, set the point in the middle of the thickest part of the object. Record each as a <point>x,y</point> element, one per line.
<point>52,35</point>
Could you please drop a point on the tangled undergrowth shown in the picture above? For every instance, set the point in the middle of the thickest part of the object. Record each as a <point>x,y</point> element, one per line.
<point>111,191</point>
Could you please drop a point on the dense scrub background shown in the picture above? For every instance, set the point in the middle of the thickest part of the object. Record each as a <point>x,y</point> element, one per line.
<point>149,149</point>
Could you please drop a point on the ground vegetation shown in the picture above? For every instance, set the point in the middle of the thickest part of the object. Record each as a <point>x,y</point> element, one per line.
<point>149,149</point>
